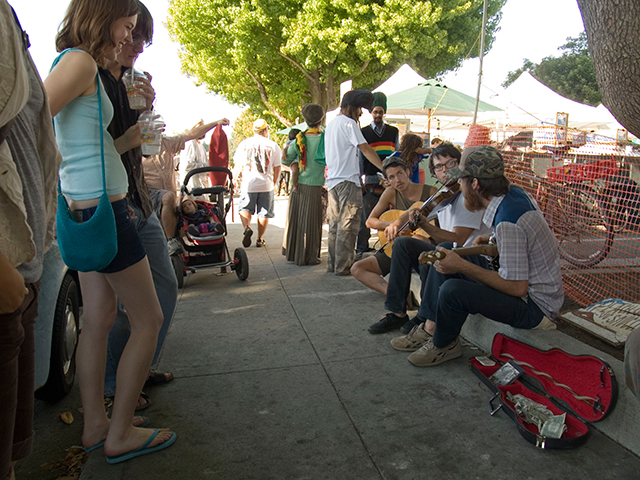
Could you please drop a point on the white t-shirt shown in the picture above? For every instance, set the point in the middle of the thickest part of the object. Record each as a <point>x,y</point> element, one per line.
<point>341,140</point>
<point>256,156</point>
<point>456,215</point>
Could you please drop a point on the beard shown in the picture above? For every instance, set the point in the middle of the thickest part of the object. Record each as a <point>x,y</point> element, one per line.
<point>472,200</point>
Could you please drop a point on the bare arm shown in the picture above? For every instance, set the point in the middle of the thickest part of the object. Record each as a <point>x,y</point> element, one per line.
<point>294,176</point>
<point>276,173</point>
<point>200,128</point>
<point>132,138</point>
<point>368,151</point>
<point>74,76</point>
<point>386,201</point>
<point>12,289</point>
<point>453,263</point>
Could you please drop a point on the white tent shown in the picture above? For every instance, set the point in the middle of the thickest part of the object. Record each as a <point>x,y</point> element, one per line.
<point>529,102</point>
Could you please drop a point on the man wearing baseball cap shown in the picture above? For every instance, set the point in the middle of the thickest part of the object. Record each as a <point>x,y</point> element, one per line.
<point>525,292</point>
<point>258,159</point>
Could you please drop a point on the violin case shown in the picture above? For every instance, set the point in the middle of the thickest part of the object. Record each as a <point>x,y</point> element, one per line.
<point>583,386</point>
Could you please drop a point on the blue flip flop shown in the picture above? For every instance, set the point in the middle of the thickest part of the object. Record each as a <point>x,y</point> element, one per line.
<point>101,444</point>
<point>143,450</point>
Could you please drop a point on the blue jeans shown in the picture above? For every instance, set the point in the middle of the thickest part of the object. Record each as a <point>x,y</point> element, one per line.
<point>404,260</point>
<point>448,299</point>
<point>164,279</point>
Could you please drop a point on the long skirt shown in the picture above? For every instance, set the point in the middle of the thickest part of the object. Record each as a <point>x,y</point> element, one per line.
<point>303,236</point>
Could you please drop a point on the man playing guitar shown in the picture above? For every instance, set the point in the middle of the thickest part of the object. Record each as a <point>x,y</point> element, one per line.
<point>525,292</point>
<point>456,224</point>
<point>400,195</point>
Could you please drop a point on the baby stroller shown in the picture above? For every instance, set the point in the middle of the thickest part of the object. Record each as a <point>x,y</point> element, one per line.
<point>207,250</point>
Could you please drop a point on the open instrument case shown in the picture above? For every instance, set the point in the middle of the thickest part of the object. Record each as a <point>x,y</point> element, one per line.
<point>583,386</point>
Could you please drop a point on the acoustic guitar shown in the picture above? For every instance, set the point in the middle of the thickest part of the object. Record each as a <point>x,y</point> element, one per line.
<point>429,258</point>
<point>391,216</point>
<point>445,195</point>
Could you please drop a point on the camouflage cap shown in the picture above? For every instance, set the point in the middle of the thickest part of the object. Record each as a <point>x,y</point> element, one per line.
<point>479,162</point>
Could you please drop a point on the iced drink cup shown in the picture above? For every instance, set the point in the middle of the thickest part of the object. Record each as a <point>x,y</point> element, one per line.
<point>131,80</point>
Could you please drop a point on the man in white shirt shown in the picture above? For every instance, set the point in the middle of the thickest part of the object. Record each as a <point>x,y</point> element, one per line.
<point>258,159</point>
<point>342,141</point>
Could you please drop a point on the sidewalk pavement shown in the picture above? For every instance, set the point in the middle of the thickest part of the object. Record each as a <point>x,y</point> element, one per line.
<point>277,378</point>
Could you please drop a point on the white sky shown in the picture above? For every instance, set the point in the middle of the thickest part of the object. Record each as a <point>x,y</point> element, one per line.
<point>528,29</point>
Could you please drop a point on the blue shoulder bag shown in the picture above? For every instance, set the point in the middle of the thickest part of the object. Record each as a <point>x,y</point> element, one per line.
<point>92,245</point>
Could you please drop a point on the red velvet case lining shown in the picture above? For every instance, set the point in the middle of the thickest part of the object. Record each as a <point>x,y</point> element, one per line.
<point>575,427</point>
<point>581,373</point>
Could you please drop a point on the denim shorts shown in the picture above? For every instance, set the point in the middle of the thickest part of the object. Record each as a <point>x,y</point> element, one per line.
<point>130,248</point>
<point>262,202</point>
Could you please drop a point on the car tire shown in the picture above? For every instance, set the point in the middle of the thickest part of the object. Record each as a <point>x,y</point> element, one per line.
<point>64,341</point>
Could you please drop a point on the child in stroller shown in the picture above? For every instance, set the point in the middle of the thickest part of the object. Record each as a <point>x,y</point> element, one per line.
<point>200,218</point>
<point>202,229</point>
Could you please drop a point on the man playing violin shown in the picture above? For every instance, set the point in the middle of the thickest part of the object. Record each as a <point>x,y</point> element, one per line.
<point>456,223</point>
<point>400,195</point>
<point>525,292</point>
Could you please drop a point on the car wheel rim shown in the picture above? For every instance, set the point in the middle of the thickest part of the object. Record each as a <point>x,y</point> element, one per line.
<point>70,336</point>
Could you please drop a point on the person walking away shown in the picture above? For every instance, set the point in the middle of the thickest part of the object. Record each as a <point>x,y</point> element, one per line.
<point>258,159</point>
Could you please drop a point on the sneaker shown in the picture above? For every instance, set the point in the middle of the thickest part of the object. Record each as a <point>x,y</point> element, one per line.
<point>430,355</point>
<point>413,340</point>
<point>260,242</point>
<point>246,240</point>
<point>193,231</point>
<point>173,246</point>
<point>390,322</point>
<point>407,327</point>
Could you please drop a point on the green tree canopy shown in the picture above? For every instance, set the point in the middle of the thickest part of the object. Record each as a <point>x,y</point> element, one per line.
<point>571,75</point>
<point>275,55</point>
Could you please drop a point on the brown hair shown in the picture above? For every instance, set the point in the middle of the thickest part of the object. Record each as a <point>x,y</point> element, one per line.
<point>88,23</point>
<point>408,145</point>
<point>144,25</point>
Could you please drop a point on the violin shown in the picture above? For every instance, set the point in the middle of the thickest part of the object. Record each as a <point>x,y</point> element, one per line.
<point>443,197</point>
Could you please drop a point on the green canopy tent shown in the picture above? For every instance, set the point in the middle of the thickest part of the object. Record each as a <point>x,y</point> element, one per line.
<point>434,99</point>
<point>285,131</point>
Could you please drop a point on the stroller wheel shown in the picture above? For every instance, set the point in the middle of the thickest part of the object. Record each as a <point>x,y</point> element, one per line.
<point>178,268</point>
<point>241,263</point>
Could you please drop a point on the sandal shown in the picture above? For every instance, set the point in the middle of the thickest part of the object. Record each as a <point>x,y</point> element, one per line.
<point>246,238</point>
<point>260,242</point>
<point>158,378</point>
<point>146,404</point>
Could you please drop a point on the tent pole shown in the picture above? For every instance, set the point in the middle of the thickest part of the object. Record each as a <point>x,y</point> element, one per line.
<point>484,27</point>
<point>429,121</point>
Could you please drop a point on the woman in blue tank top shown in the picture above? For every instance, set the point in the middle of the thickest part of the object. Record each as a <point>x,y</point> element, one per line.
<point>91,33</point>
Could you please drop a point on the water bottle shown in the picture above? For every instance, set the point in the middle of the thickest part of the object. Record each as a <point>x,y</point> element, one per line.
<point>151,126</point>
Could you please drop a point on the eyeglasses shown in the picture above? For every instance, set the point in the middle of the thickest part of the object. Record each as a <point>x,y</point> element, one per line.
<point>450,164</point>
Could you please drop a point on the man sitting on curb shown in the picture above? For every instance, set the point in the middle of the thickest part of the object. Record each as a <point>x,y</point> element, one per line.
<point>401,195</point>
<point>525,292</point>
<point>456,224</point>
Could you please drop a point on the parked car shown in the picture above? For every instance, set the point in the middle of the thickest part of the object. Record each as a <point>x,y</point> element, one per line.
<point>57,328</point>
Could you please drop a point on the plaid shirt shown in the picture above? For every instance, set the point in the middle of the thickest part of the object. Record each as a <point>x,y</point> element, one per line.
<point>527,248</point>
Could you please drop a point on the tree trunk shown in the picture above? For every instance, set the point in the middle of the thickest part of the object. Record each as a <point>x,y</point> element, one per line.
<point>613,28</point>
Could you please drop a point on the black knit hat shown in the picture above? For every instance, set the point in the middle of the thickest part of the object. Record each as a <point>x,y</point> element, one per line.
<point>312,113</point>
<point>358,98</point>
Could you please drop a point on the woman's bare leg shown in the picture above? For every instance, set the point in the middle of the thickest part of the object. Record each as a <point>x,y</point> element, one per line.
<point>134,287</point>
<point>368,271</point>
<point>99,310</point>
